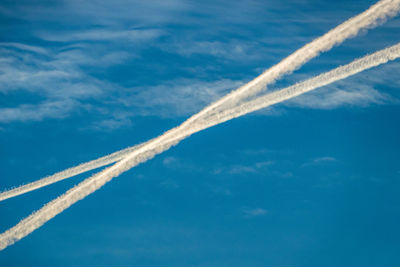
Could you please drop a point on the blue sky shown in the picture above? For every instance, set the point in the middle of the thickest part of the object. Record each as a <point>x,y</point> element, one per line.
<point>310,182</point>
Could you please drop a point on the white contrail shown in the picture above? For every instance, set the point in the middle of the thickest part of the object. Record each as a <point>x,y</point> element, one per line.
<point>164,142</point>
<point>367,62</point>
<point>368,19</point>
<point>70,172</point>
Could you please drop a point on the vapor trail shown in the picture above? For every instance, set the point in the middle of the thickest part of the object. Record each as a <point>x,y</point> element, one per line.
<point>377,13</point>
<point>368,19</point>
<point>70,172</point>
<point>172,137</point>
<point>367,62</point>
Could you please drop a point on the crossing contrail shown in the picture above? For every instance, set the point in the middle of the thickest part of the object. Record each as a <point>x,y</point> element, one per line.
<point>377,13</point>
<point>368,19</point>
<point>357,66</point>
<point>172,137</point>
<point>70,172</point>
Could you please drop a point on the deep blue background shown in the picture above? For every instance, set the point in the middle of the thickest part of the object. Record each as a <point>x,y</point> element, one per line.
<point>312,182</point>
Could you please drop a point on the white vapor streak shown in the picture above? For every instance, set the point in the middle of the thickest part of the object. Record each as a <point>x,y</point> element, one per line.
<point>378,12</point>
<point>359,65</point>
<point>70,172</point>
<point>368,19</point>
<point>175,135</point>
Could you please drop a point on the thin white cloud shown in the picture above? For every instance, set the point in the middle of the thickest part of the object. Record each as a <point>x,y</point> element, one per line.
<point>114,121</point>
<point>331,98</point>
<point>25,47</point>
<point>241,169</point>
<point>220,190</point>
<point>50,109</point>
<point>169,184</point>
<point>90,55</point>
<point>369,88</point>
<point>236,50</point>
<point>254,168</point>
<point>102,35</point>
<point>175,98</point>
<point>168,161</point>
<point>257,212</point>
<point>324,159</point>
<point>58,76</point>
<point>54,81</point>
<point>320,161</point>
<point>97,12</point>
<point>180,164</point>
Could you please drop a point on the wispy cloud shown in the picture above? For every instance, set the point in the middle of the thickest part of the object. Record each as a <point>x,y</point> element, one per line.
<point>98,12</point>
<point>114,120</point>
<point>169,161</point>
<point>59,82</point>
<point>324,159</point>
<point>365,89</point>
<point>320,161</point>
<point>51,109</point>
<point>54,84</point>
<point>241,169</point>
<point>220,190</point>
<point>257,212</point>
<point>253,168</point>
<point>236,50</point>
<point>169,184</point>
<point>56,78</point>
<point>175,98</point>
<point>25,47</point>
<point>180,164</point>
<point>138,35</point>
<point>331,98</point>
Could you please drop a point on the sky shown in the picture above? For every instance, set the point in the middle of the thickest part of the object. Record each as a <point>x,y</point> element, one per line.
<point>313,181</point>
